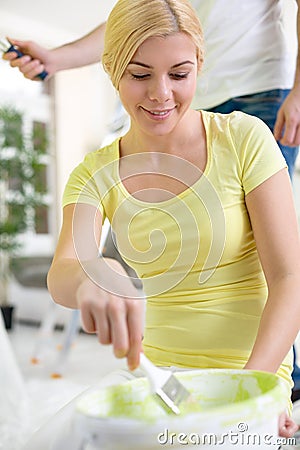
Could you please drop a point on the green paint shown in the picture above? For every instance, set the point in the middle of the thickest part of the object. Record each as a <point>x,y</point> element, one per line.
<point>131,400</point>
<point>227,393</point>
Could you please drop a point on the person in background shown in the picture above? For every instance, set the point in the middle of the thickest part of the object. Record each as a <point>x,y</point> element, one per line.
<point>253,69</point>
<point>197,201</point>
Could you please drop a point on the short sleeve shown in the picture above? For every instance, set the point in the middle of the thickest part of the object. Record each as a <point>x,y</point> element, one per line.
<point>92,181</point>
<point>257,150</point>
<point>82,188</point>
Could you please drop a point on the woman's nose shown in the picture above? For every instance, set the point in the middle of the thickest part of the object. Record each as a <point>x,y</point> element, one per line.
<point>160,90</point>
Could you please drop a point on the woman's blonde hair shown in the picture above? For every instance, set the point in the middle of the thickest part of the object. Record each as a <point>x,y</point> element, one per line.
<point>131,22</point>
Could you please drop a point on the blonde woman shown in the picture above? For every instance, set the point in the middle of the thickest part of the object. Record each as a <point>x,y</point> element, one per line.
<point>202,209</point>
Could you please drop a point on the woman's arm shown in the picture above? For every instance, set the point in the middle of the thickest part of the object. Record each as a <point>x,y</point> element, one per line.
<point>82,52</point>
<point>99,287</point>
<point>274,222</point>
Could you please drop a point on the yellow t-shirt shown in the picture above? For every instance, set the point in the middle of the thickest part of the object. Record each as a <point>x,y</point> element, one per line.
<point>195,252</point>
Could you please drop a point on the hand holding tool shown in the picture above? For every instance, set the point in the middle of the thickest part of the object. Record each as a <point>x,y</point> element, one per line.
<point>6,47</point>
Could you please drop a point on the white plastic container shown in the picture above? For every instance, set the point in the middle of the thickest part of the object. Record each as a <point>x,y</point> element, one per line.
<point>238,409</point>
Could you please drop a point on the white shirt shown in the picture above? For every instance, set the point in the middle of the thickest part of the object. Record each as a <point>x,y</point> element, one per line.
<point>248,49</point>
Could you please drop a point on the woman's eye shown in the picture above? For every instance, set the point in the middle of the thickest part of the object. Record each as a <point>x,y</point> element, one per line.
<point>179,76</point>
<point>175,76</point>
<point>139,76</point>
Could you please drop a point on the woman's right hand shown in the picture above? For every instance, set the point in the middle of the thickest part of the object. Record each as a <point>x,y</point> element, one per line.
<point>116,320</point>
<point>36,59</point>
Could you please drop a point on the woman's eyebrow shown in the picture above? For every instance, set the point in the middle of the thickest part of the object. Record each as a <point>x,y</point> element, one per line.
<point>183,63</point>
<point>138,63</point>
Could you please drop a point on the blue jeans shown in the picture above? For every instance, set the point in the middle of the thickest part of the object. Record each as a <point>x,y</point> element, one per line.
<point>265,105</point>
<point>296,373</point>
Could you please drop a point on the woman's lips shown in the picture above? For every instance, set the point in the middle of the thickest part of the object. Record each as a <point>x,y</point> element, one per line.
<point>160,114</point>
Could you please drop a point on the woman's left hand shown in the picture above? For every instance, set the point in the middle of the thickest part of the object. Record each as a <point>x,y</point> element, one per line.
<point>286,425</point>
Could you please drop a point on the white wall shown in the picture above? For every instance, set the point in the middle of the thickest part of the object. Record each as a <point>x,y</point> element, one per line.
<point>84,102</point>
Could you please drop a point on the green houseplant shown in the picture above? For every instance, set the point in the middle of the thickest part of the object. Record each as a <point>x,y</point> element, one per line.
<point>20,191</point>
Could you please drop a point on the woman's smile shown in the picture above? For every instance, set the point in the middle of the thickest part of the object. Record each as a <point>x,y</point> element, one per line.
<point>161,114</point>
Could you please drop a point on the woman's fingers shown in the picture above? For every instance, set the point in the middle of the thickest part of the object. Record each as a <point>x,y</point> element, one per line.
<point>126,325</point>
<point>117,317</point>
<point>93,309</point>
<point>117,320</point>
<point>88,321</point>
<point>135,320</point>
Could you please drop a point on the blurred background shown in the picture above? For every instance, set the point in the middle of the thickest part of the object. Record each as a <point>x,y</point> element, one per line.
<point>70,113</point>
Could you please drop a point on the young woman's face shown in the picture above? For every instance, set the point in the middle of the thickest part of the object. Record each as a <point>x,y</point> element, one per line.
<point>159,83</point>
